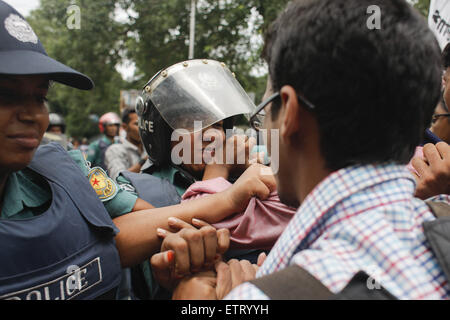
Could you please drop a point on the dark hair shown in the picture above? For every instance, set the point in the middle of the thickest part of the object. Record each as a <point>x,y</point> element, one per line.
<point>374,90</point>
<point>126,114</point>
<point>446,56</point>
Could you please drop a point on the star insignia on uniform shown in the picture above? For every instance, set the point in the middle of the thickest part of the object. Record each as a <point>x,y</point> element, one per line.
<point>95,182</point>
<point>103,185</point>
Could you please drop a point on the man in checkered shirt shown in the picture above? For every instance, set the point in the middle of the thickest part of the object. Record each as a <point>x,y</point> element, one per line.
<point>351,103</point>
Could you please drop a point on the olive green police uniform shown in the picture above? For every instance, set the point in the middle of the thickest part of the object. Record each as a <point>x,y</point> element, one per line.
<point>27,194</point>
<point>169,173</point>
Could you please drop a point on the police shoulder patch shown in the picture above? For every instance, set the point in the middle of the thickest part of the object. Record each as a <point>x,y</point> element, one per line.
<point>103,185</point>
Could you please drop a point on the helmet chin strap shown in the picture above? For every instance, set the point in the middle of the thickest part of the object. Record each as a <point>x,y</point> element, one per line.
<point>188,176</point>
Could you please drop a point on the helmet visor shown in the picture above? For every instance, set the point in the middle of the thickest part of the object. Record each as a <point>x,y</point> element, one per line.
<point>195,94</point>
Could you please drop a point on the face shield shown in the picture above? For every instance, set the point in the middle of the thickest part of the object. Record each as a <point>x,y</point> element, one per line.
<point>195,94</point>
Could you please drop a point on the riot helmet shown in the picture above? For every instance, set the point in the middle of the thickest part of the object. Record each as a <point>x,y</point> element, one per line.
<point>56,120</point>
<point>189,95</point>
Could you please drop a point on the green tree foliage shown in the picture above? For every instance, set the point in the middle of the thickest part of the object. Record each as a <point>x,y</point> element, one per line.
<point>225,30</point>
<point>423,6</point>
<point>93,50</point>
<point>155,35</point>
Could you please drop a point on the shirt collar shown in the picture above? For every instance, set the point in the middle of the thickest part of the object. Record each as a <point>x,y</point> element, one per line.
<point>106,140</point>
<point>167,172</point>
<point>334,189</point>
<point>345,182</point>
<point>128,144</point>
<point>176,176</point>
<point>22,192</point>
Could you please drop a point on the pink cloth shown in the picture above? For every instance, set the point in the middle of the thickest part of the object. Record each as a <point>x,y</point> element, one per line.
<point>418,153</point>
<point>258,227</point>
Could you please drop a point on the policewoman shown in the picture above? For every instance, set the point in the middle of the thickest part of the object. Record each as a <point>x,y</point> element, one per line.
<point>56,234</point>
<point>194,96</point>
<point>184,99</point>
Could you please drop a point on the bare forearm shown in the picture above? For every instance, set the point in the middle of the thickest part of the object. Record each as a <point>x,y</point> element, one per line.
<point>137,239</point>
<point>135,168</point>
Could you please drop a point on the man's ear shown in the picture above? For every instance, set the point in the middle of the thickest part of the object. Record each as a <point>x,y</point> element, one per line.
<point>290,114</point>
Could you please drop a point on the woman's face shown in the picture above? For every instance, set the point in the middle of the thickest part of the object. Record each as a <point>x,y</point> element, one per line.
<point>206,136</point>
<point>23,119</point>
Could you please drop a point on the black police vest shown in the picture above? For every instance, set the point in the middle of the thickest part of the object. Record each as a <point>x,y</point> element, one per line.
<point>158,192</point>
<point>102,145</point>
<point>67,252</point>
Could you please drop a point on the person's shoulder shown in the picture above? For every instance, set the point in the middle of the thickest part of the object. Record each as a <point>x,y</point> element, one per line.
<point>80,160</point>
<point>97,140</point>
<point>94,143</point>
<point>75,153</point>
<point>93,149</point>
<point>117,147</point>
<point>116,150</point>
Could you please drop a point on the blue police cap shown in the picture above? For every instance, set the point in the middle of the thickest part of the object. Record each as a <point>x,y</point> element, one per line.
<point>21,52</point>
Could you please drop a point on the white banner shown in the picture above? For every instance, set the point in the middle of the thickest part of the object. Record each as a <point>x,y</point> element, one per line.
<point>439,20</point>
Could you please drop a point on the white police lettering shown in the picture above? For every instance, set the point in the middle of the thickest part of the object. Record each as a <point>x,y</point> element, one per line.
<point>76,281</point>
<point>146,125</point>
<point>20,29</point>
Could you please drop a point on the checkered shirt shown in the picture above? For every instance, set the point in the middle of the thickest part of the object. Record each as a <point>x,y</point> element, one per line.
<point>360,218</point>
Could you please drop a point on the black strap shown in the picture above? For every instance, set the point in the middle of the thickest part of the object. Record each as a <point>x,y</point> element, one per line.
<point>295,283</point>
<point>362,287</point>
<point>439,209</point>
<point>108,295</point>
<point>437,233</point>
<point>292,283</point>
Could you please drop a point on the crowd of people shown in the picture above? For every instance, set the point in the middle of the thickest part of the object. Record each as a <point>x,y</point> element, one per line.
<point>355,207</point>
